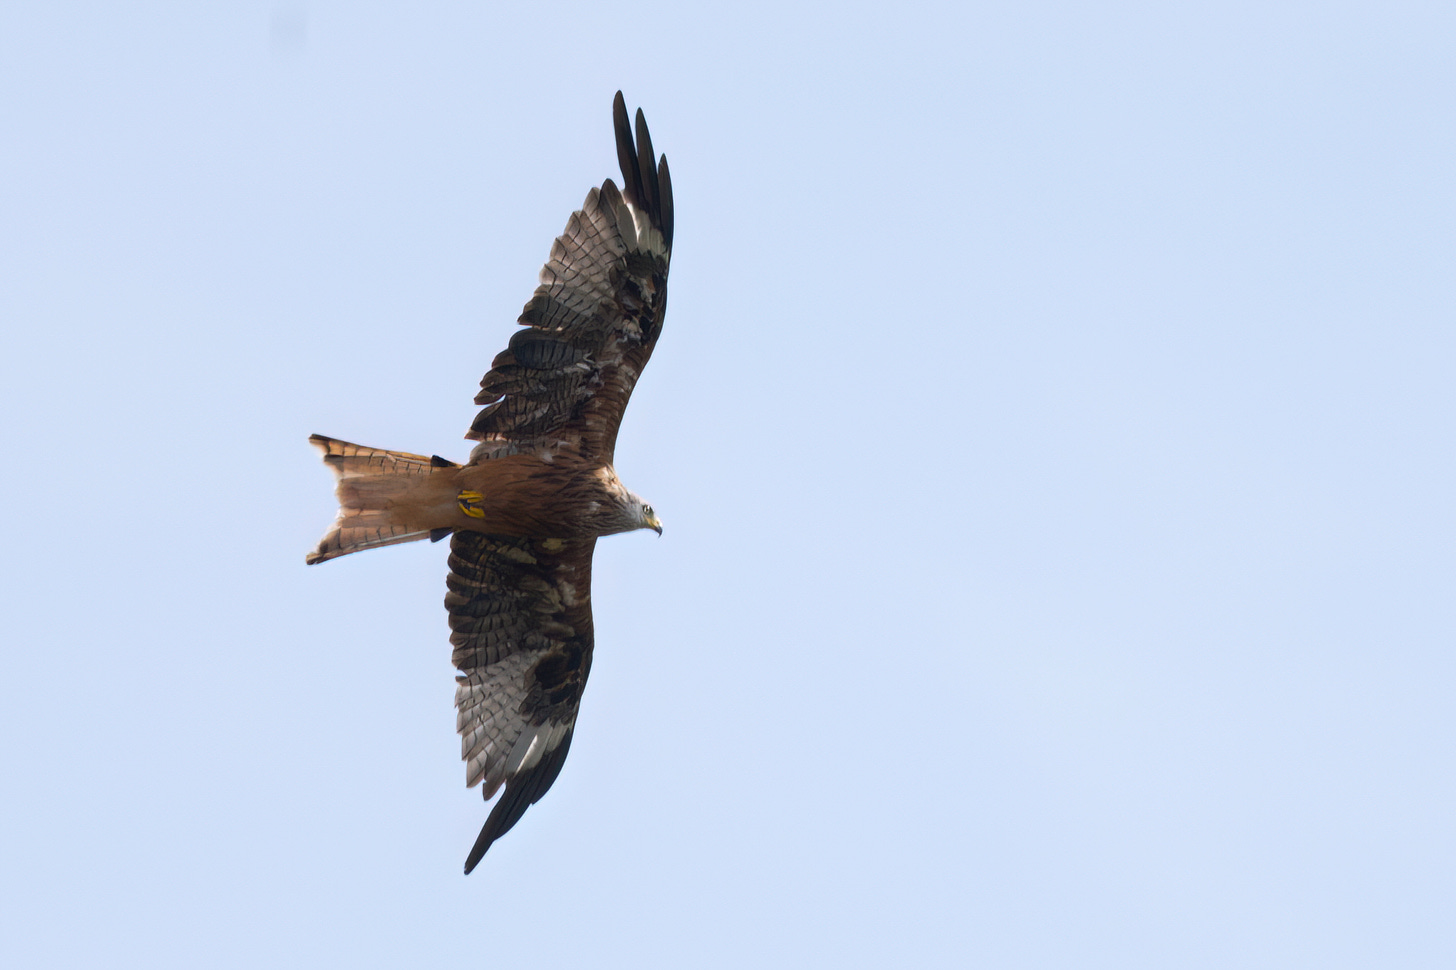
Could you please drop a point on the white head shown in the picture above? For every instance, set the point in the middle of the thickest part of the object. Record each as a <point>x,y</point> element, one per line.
<point>642,514</point>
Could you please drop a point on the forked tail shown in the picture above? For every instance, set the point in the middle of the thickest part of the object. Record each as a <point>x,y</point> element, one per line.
<point>384,497</point>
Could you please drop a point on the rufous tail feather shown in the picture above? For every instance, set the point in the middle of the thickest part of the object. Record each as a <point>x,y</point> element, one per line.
<point>384,497</point>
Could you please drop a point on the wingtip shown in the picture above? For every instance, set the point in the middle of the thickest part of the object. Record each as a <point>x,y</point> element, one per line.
<point>664,180</point>
<point>645,179</point>
<point>626,151</point>
<point>477,852</point>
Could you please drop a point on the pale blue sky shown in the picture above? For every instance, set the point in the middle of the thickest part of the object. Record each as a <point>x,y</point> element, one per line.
<point>1053,428</point>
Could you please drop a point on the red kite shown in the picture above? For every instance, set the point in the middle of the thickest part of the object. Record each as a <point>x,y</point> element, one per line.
<point>524,513</point>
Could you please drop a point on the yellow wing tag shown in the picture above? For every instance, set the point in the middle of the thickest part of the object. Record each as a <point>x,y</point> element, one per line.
<point>471,503</point>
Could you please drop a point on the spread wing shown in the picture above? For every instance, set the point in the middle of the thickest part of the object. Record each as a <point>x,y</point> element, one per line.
<point>520,607</point>
<point>564,380</point>
<point>521,626</point>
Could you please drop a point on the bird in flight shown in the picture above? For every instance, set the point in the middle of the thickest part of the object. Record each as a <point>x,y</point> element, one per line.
<point>523,514</point>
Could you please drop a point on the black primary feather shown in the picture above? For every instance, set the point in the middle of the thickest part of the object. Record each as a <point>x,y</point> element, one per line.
<point>521,793</point>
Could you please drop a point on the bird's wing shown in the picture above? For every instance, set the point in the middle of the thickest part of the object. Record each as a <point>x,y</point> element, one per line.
<point>564,380</point>
<point>521,626</point>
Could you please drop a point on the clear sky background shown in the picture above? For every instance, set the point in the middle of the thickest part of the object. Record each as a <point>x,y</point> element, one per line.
<point>1053,428</point>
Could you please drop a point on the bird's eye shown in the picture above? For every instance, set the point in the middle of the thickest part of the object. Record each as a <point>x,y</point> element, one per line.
<point>646,510</point>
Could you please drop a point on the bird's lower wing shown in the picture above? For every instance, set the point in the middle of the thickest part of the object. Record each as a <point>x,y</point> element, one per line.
<point>520,620</point>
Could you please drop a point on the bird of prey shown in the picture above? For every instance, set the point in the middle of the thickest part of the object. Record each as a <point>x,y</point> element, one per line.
<point>525,511</point>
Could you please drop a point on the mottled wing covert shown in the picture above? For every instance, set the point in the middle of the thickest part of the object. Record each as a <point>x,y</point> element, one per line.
<point>521,626</point>
<point>564,380</point>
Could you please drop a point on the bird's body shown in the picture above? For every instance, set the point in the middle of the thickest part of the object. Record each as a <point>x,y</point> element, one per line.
<point>524,512</point>
<point>387,497</point>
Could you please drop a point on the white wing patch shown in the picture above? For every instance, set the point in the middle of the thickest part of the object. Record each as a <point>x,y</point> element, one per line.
<point>649,237</point>
<point>533,744</point>
<point>496,743</point>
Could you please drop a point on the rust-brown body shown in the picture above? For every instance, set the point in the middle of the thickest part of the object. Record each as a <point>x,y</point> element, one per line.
<point>567,497</point>
<point>521,495</point>
<point>388,497</point>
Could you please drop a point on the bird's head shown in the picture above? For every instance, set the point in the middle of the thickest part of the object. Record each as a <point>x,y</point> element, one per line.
<point>649,519</point>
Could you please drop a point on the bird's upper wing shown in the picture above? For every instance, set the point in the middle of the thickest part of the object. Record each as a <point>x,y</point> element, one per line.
<point>565,379</point>
<point>521,626</point>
